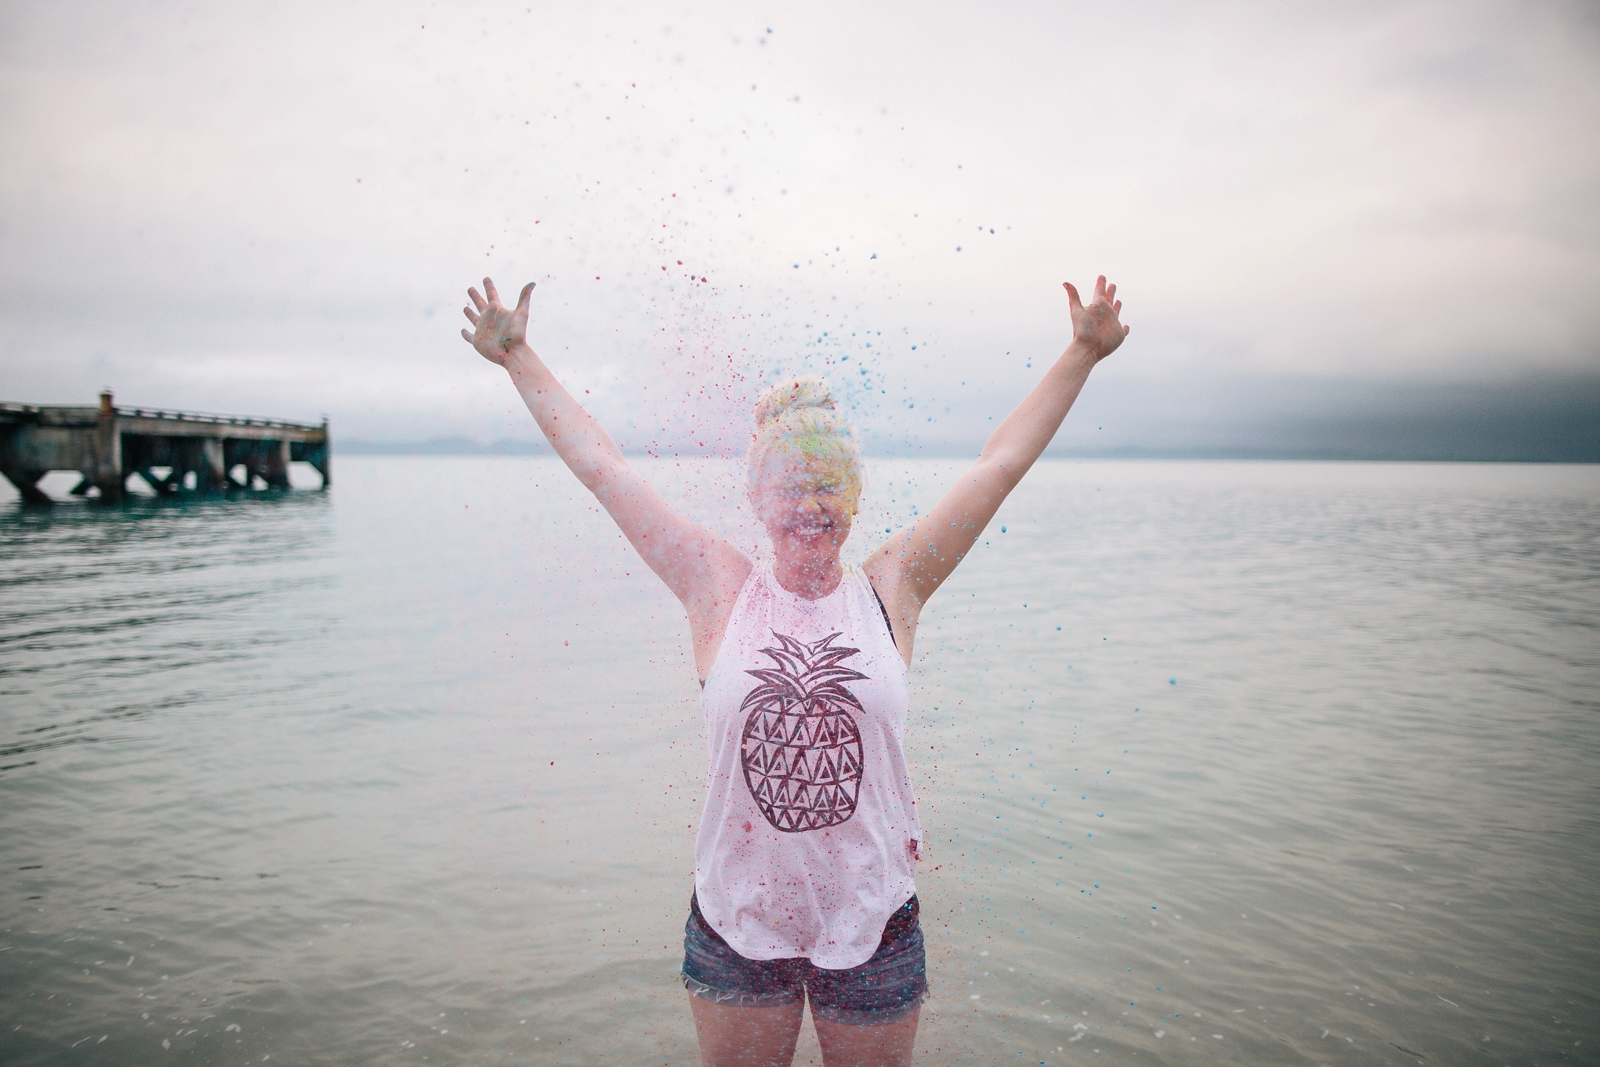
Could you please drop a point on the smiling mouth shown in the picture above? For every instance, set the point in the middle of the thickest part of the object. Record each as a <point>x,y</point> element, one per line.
<point>813,529</point>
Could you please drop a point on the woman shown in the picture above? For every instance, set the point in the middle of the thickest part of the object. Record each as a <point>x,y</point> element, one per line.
<point>809,839</point>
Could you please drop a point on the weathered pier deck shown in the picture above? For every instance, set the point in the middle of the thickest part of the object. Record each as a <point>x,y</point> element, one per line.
<point>173,451</point>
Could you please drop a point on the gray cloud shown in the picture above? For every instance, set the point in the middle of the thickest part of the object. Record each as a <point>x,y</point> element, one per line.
<point>274,208</point>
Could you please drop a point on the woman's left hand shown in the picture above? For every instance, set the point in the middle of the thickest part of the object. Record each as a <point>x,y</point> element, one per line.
<point>496,329</point>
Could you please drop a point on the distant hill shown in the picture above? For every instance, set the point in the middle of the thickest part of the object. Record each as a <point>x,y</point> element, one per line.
<point>1533,420</point>
<point>444,446</point>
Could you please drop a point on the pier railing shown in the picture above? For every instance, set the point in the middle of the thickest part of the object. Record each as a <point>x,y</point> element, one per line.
<point>93,412</point>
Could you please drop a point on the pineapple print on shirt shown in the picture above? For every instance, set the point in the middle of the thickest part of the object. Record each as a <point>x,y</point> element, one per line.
<point>801,749</point>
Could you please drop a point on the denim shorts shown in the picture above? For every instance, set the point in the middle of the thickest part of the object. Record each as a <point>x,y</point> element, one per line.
<point>885,989</point>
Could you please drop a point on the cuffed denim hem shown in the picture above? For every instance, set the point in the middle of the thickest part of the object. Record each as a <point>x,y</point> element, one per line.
<point>877,1017</point>
<point>779,999</point>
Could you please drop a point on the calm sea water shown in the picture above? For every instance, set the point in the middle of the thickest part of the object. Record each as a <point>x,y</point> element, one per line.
<point>1219,763</point>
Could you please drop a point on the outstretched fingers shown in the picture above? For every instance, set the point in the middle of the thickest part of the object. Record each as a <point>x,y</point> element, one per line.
<point>1104,293</point>
<point>490,318</point>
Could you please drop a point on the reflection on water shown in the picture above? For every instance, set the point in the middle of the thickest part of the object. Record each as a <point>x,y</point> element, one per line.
<point>117,613</point>
<point>1286,763</point>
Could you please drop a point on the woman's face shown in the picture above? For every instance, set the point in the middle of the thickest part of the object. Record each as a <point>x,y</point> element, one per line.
<point>806,504</point>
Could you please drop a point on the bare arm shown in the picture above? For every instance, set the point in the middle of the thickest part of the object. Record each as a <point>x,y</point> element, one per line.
<point>909,567</point>
<point>704,571</point>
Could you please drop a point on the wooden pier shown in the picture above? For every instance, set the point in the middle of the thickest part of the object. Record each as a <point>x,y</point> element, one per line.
<point>199,454</point>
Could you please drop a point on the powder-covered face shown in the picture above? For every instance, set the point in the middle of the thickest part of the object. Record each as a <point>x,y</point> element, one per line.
<point>806,499</point>
<point>808,464</point>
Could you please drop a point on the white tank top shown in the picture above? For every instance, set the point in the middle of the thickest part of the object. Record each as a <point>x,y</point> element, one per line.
<point>810,836</point>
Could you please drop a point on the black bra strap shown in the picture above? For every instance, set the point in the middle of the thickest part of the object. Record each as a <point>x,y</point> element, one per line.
<point>885,611</point>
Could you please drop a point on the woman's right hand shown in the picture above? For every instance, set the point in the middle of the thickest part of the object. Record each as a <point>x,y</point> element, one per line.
<point>1096,326</point>
<point>497,330</point>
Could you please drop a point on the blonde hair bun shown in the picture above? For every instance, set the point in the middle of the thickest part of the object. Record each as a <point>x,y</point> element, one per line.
<point>799,415</point>
<point>796,393</point>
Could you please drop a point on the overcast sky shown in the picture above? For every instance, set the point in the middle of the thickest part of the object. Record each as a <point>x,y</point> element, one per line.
<point>274,208</point>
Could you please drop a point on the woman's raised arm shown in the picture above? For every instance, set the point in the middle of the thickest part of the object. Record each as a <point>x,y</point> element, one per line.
<point>909,567</point>
<point>704,571</point>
